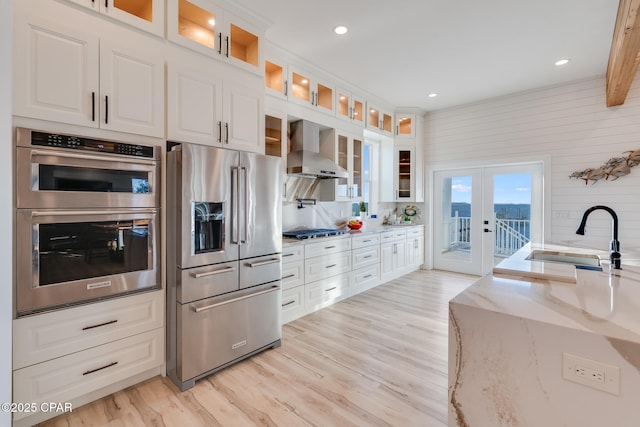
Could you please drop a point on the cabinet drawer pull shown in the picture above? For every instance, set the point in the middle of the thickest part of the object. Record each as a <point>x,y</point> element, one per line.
<point>367,276</point>
<point>110,322</point>
<point>366,241</point>
<point>368,256</point>
<point>212,273</point>
<point>330,266</point>
<point>91,371</point>
<point>288,303</point>
<point>329,247</point>
<point>261,263</point>
<point>330,289</point>
<point>284,255</point>
<point>289,276</point>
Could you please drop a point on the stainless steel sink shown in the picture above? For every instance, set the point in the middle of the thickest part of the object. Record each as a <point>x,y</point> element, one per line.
<point>564,257</point>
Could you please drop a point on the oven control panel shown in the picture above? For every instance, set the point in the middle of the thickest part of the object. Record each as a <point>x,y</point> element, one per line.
<point>88,144</point>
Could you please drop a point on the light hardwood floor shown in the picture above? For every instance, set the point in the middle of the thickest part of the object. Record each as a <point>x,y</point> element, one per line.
<point>376,359</point>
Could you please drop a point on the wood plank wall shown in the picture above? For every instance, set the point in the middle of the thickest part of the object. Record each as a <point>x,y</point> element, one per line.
<point>568,127</point>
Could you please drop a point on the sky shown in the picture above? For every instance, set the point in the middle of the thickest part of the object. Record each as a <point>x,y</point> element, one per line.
<point>509,188</point>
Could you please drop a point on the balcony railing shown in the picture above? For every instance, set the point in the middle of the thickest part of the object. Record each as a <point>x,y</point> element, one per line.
<point>510,234</point>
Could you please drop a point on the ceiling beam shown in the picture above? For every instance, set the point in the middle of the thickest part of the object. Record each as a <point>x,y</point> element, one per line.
<point>624,56</point>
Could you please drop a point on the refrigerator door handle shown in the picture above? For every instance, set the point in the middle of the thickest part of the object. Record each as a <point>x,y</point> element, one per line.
<point>244,238</point>
<point>235,205</point>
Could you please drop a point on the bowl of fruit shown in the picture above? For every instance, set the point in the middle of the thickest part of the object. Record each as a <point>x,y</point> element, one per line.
<point>354,224</point>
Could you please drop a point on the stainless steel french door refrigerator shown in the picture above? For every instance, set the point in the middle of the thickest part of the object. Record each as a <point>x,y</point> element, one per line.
<point>224,244</point>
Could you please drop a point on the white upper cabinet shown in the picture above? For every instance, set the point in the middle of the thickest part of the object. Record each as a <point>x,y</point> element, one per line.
<point>275,78</point>
<point>214,31</point>
<point>350,106</point>
<point>405,125</point>
<point>379,120</point>
<point>147,15</point>
<point>208,109</point>
<point>64,74</point>
<point>347,152</point>
<point>310,91</point>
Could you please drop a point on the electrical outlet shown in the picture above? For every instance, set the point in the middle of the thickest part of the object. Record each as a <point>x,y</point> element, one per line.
<point>598,375</point>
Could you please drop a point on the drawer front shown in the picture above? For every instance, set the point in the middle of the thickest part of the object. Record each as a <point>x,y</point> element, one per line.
<point>68,377</point>
<point>399,234</point>
<point>364,241</point>
<point>327,247</point>
<point>362,278</point>
<point>202,282</point>
<point>322,267</point>
<point>256,271</point>
<point>365,256</point>
<point>324,292</point>
<point>293,305</point>
<point>415,232</point>
<point>215,331</point>
<point>292,274</point>
<point>292,253</point>
<point>50,335</point>
<point>386,236</point>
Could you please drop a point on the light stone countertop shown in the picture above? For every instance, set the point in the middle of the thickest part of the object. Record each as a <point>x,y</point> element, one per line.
<point>367,230</point>
<point>604,303</point>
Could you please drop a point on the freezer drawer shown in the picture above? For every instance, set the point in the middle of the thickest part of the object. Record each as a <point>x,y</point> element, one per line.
<point>206,281</point>
<point>217,331</point>
<point>256,271</point>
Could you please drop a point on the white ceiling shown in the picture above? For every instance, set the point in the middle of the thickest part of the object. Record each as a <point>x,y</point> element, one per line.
<point>465,50</point>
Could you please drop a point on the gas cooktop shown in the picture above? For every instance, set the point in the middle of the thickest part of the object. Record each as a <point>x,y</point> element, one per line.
<point>312,233</point>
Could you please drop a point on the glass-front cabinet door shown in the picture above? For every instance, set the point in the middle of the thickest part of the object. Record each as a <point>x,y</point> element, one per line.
<point>148,15</point>
<point>214,31</point>
<point>311,92</point>
<point>349,107</point>
<point>275,75</point>
<point>379,120</point>
<point>404,158</point>
<point>348,154</point>
<point>405,125</point>
<point>342,184</point>
<point>357,169</point>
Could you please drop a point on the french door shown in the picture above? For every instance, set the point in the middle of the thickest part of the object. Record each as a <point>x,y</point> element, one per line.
<point>483,215</point>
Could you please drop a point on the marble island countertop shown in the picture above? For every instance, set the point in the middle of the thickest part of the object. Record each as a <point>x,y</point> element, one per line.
<point>510,331</point>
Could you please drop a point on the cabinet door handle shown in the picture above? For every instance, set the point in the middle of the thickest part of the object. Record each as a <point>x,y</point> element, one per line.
<point>226,40</point>
<point>286,88</point>
<point>219,43</point>
<point>91,371</point>
<point>110,322</point>
<point>226,132</point>
<point>93,106</point>
<point>106,109</point>
<point>219,131</point>
<point>351,113</point>
<point>106,3</point>
<point>313,98</point>
<point>284,194</point>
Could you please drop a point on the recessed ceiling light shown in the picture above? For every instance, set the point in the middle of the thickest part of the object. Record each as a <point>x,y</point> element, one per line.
<point>562,62</point>
<point>432,95</point>
<point>212,22</point>
<point>340,29</point>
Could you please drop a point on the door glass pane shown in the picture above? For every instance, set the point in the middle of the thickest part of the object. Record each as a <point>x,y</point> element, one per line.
<point>404,174</point>
<point>140,8</point>
<point>404,126</point>
<point>456,218</point>
<point>325,97</point>
<point>357,168</point>
<point>196,24</point>
<point>342,183</point>
<point>300,87</point>
<point>73,178</point>
<point>244,45</point>
<point>273,76</point>
<point>357,111</point>
<point>387,122</point>
<point>512,213</point>
<point>82,250</point>
<point>343,104</point>
<point>373,118</point>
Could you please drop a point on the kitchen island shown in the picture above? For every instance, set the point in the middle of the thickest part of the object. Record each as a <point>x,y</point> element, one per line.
<point>513,335</point>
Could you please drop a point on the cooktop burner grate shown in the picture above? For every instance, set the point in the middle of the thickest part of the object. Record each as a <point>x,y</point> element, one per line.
<point>312,233</point>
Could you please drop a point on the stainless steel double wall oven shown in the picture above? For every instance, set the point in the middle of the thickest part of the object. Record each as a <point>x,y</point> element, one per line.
<point>87,213</point>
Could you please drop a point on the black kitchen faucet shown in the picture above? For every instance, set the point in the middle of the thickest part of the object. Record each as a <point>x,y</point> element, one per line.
<point>614,248</point>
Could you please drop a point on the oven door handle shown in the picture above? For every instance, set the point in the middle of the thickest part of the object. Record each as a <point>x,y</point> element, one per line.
<point>102,158</point>
<point>218,304</point>
<point>105,212</point>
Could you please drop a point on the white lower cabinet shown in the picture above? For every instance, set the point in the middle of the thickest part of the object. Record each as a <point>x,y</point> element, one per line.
<point>80,354</point>
<point>324,271</point>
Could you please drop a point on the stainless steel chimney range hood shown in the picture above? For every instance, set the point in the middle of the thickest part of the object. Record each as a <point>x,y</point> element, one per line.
<point>305,160</point>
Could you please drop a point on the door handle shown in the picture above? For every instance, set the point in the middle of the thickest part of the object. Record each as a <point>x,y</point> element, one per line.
<point>255,294</point>
<point>212,273</point>
<point>261,263</point>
